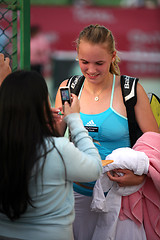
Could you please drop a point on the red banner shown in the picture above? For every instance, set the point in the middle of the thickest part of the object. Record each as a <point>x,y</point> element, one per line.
<point>136,32</point>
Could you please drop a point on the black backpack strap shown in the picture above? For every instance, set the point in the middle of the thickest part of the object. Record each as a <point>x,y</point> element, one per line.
<point>75,83</point>
<point>129,93</point>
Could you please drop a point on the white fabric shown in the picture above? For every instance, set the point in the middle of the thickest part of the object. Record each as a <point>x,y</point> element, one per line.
<point>87,223</point>
<point>127,229</point>
<point>111,204</point>
<point>129,159</point>
<point>100,203</point>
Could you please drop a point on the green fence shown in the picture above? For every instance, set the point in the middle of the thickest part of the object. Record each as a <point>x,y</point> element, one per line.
<point>15,32</point>
<point>51,2</point>
<point>107,3</point>
<point>99,3</point>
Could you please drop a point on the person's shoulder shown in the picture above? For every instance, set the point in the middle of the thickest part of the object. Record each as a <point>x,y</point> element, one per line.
<point>142,97</point>
<point>140,90</point>
<point>60,143</point>
<point>64,83</point>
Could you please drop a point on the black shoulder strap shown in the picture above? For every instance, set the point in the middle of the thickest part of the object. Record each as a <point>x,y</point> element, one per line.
<point>129,93</point>
<point>75,83</point>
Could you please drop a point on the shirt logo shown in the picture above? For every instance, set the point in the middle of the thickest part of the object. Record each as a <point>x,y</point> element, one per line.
<point>91,126</point>
<point>91,123</point>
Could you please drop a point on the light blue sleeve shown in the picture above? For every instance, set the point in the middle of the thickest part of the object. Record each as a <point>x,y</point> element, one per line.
<point>81,157</point>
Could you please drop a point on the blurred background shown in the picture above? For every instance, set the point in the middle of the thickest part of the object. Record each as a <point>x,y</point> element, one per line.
<point>55,25</point>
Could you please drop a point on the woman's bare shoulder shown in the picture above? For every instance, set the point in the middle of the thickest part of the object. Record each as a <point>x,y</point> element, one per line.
<point>64,83</point>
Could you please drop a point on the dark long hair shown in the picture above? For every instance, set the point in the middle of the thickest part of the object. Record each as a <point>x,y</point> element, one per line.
<point>25,123</point>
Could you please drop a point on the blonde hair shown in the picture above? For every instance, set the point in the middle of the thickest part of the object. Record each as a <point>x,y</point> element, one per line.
<point>97,34</point>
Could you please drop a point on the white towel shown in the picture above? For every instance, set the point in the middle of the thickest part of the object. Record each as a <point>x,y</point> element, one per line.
<point>127,158</point>
<point>110,205</point>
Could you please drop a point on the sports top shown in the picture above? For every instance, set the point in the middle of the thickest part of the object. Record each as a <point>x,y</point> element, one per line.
<point>109,131</point>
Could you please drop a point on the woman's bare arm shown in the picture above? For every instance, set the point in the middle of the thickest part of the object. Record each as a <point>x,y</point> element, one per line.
<point>146,122</point>
<point>128,179</point>
<point>143,112</point>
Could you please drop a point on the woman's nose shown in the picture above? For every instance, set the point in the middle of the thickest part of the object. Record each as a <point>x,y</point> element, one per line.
<point>91,69</point>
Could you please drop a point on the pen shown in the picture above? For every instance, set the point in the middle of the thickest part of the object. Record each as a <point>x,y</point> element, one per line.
<point>59,113</point>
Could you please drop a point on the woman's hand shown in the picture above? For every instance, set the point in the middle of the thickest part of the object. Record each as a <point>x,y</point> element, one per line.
<point>75,106</point>
<point>128,178</point>
<point>57,114</point>
<point>5,68</point>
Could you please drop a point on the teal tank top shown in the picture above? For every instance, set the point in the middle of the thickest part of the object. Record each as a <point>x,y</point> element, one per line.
<point>109,131</point>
